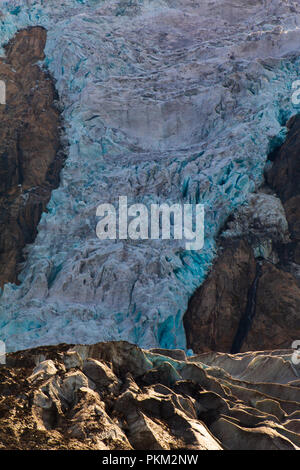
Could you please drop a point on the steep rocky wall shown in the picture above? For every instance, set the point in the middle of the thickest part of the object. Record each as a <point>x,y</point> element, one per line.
<point>30,154</point>
<point>284,178</point>
<point>163,101</point>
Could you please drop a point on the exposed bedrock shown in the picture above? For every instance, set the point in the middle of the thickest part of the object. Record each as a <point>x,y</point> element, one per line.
<point>284,175</point>
<point>237,308</point>
<point>30,153</point>
<point>284,178</point>
<point>164,102</point>
<point>212,318</point>
<point>118,396</point>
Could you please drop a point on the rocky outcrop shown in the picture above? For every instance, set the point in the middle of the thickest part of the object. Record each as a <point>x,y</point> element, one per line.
<point>284,178</point>
<point>215,309</point>
<point>30,150</point>
<point>236,309</point>
<point>117,396</point>
<point>277,320</point>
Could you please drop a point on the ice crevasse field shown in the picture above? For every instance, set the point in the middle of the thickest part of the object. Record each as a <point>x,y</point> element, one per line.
<point>163,101</point>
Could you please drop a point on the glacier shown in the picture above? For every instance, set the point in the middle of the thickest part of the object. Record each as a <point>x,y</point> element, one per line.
<point>163,101</point>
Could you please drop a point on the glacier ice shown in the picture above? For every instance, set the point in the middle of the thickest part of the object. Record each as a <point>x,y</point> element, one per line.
<point>163,101</point>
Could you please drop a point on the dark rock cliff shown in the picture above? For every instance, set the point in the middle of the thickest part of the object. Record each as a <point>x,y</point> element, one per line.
<point>30,152</point>
<point>217,312</point>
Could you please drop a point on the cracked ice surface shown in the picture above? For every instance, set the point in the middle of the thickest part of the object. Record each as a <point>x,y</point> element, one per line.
<point>164,101</point>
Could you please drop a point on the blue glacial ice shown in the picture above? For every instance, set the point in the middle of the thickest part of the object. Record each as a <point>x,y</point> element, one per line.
<point>164,101</point>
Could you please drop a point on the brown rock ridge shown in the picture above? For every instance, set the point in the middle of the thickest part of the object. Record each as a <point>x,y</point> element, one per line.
<point>117,396</point>
<point>30,152</point>
<point>221,308</point>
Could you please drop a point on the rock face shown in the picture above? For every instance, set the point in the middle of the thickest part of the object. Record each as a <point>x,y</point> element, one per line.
<point>30,157</point>
<point>117,396</point>
<point>159,109</point>
<point>284,178</point>
<point>215,309</point>
<point>167,102</point>
<point>236,308</point>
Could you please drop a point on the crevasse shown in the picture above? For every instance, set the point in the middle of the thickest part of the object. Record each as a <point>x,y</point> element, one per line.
<point>164,101</point>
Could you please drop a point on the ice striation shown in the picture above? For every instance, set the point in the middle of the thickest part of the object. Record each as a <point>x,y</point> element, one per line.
<point>163,101</point>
